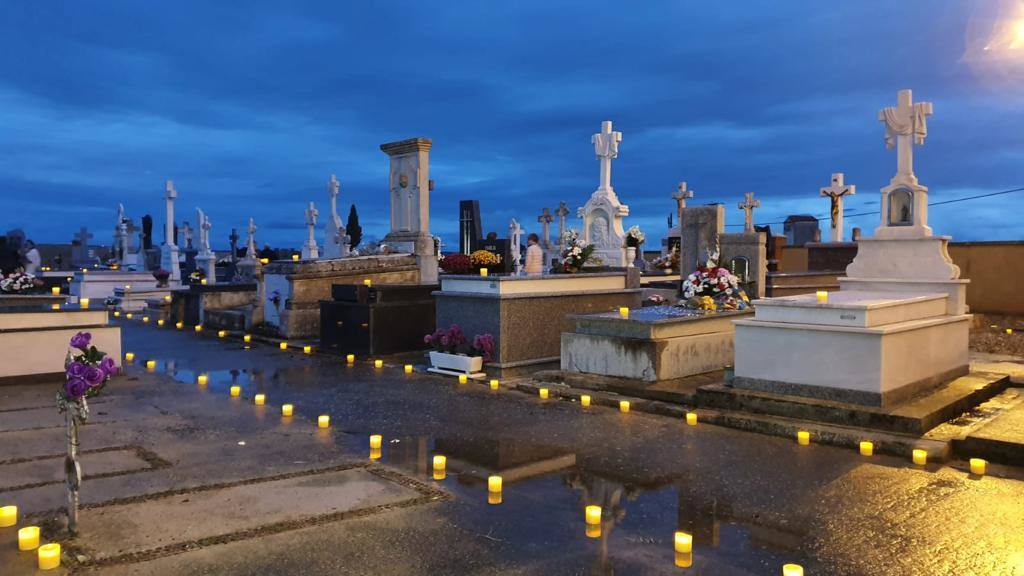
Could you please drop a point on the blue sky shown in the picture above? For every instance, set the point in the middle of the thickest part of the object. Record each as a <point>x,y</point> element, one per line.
<point>250,106</point>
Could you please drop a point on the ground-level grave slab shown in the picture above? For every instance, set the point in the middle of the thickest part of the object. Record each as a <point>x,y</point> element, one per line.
<point>33,472</point>
<point>1002,438</point>
<point>169,523</point>
<point>103,411</point>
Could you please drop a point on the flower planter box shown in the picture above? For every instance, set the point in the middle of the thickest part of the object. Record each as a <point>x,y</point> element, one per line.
<point>455,364</point>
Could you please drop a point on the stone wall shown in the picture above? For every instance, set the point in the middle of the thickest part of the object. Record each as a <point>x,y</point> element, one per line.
<point>302,284</point>
<point>995,270</point>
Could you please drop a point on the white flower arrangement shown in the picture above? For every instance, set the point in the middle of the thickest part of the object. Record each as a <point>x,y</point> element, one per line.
<point>634,237</point>
<point>17,282</point>
<point>715,286</point>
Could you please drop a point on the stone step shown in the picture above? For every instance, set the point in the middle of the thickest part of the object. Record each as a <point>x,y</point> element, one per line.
<point>1000,438</point>
<point>780,279</point>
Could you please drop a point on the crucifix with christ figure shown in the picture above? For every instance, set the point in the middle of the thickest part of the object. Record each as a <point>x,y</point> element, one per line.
<point>836,192</point>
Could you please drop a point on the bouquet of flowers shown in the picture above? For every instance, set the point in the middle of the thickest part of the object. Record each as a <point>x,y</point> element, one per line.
<point>634,237</point>
<point>18,281</point>
<point>576,254</point>
<point>668,261</point>
<point>446,340</point>
<point>484,259</point>
<point>713,287</point>
<point>456,264</point>
<point>87,371</point>
<point>483,346</point>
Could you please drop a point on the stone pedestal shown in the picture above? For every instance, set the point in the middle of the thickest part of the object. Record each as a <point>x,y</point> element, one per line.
<point>207,263</point>
<point>410,186</point>
<point>171,261</point>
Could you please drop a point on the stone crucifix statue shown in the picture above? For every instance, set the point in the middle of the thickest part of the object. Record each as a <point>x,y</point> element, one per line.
<point>310,249</point>
<point>515,235</point>
<point>748,206</point>
<point>681,195</point>
<point>335,238</point>
<point>545,220</point>
<point>836,192</point>
<point>905,125</point>
<point>606,148</point>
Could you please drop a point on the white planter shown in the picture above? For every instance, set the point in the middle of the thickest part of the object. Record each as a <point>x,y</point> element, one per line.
<point>630,256</point>
<point>456,362</point>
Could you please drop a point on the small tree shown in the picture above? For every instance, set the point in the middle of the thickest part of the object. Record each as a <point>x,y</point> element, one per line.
<point>352,227</point>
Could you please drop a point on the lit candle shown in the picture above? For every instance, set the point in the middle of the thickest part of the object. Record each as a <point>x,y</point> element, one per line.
<point>117,313</point>
<point>978,466</point>
<point>408,368</point>
<point>222,333</point>
<point>624,312</point>
<point>179,325</point>
<point>623,405</point>
<point>202,379</point>
<point>803,437</point>
<point>1009,330</point>
<point>683,542</point>
<point>792,570</point>
<point>56,307</point>
<point>49,556</point>
<point>495,384</point>
<point>199,328</point>
<point>83,302</point>
<point>691,418</point>
<point>28,538</point>
<point>55,290</point>
<point>543,392</point>
<point>129,357</point>
<point>167,298</point>
<point>259,399</point>
<point>283,345</point>
<point>307,349</point>
<point>264,261</point>
<point>323,421</point>
<point>585,400</point>
<point>375,440</point>
<point>247,338</point>
<point>592,514</point>
<point>295,257</point>
<point>367,282</point>
<point>867,448</point>
<point>919,456</point>
<point>350,359</point>
<point>463,378</point>
<point>8,516</point>
<point>150,365</point>
<point>378,363</point>
<point>235,391</point>
<point>494,483</point>
<point>202,281</point>
<point>160,322</point>
<point>127,286</point>
<point>128,315</point>
<point>286,409</point>
<point>821,296</point>
<point>145,319</point>
<point>439,464</point>
<point>483,271</point>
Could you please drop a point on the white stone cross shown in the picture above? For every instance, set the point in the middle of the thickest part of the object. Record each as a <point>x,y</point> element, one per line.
<point>748,206</point>
<point>681,195</point>
<point>169,197</point>
<point>906,124</point>
<point>250,245</point>
<point>310,249</point>
<point>606,147</point>
<point>561,212</point>
<point>515,234</point>
<point>545,219</point>
<point>836,192</point>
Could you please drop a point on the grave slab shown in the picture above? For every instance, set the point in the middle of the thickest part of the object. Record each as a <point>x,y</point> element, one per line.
<point>50,469</point>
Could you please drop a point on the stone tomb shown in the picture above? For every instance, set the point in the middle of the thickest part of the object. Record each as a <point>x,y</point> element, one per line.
<point>98,285</point>
<point>34,341</point>
<point>379,319</point>
<point>654,343</point>
<point>526,315</point>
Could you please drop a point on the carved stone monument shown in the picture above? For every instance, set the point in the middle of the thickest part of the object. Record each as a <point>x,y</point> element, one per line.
<point>515,236</point>
<point>701,228</point>
<point>169,250</point>
<point>409,186</point>
<point>835,193</point>
<point>310,251</point>
<point>335,237</point>
<point>206,260</point>
<point>603,213</point>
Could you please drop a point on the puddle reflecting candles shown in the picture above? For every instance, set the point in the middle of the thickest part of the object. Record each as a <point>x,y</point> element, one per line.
<point>624,406</point>
<point>54,306</point>
<point>919,456</point>
<point>585,400</point>
<point>375,453</point>
<point>49,556</point>
<point>684,559</point>
<point>323,421</point>
<point>236,391</point>
<point>286,409</point>
<point>543,393</point>
<point>867,448</point>
<point>792,570</point>
<point>28,538</point>
<point>8,516</point>
<point>683,542</point>
<point>803,437</point>
<point>691,418</point>
<point>978,466</point>
<point>259,399</point>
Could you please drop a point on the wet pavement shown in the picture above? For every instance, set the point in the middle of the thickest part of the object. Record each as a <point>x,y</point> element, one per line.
<point>751,502</point>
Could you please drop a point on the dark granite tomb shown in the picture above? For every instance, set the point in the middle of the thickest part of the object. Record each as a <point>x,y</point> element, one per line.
<point>377,320</point>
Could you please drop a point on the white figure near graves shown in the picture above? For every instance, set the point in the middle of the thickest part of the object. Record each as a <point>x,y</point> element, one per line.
<point>748,206</point>
<point>836,192</point>
<point>561,212</point>
<point>515,235</point>
<point>603,213</point>
<point>169,250</point>
<point>335,238</point>
<point>206,260</point>
<point>310,249</point>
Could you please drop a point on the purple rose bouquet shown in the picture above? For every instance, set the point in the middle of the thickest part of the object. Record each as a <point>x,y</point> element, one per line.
<point>87,371</point>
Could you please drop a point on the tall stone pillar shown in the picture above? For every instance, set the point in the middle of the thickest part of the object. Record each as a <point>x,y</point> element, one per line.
<point>409,185</point>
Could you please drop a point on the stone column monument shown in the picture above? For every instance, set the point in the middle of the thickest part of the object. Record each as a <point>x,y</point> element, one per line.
<point>836,192</point>
<point>169,250</point>
<point>409,185</point>
<point>603,213</point>
<point>310,250</point>
<point>206,260</point>
<point>335,245</point>
<point>515,235</point>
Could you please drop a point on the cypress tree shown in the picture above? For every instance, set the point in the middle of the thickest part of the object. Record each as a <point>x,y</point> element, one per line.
<point>353,229</point>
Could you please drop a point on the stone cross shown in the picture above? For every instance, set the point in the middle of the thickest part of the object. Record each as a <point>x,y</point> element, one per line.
<point>233,238</point>
<point>250,248</point>
<point>606,147</point>
<point>335,244</point>
<point>310,249</point>
<point>748,206</point>
<point>545,220</point>
<point>171,194</point>
<point>681,195</point>
<point>83,236</point>
<point>204,224</point>
<point>561,212</point>
<point>186,232</point>
<point>835,193</point>
<point>905,125</point>
<point>515,234</point>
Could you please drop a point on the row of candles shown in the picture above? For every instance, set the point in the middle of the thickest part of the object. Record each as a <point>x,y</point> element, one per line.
<point>47,555</point>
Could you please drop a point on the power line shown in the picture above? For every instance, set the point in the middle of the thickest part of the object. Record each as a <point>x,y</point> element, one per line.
<point>819,218</point>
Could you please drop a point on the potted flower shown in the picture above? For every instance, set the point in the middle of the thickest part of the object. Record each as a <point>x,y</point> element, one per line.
<point>712,287</point>
<point>483,259</point>
<point>18,282</point>
<point>634,238</point>
<point>446,357</point>
<point>456,264</point>
<point>161,277</point>
<point>576,253</point>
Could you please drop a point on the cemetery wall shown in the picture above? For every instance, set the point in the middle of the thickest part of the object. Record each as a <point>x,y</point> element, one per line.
<point>996,270</point>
